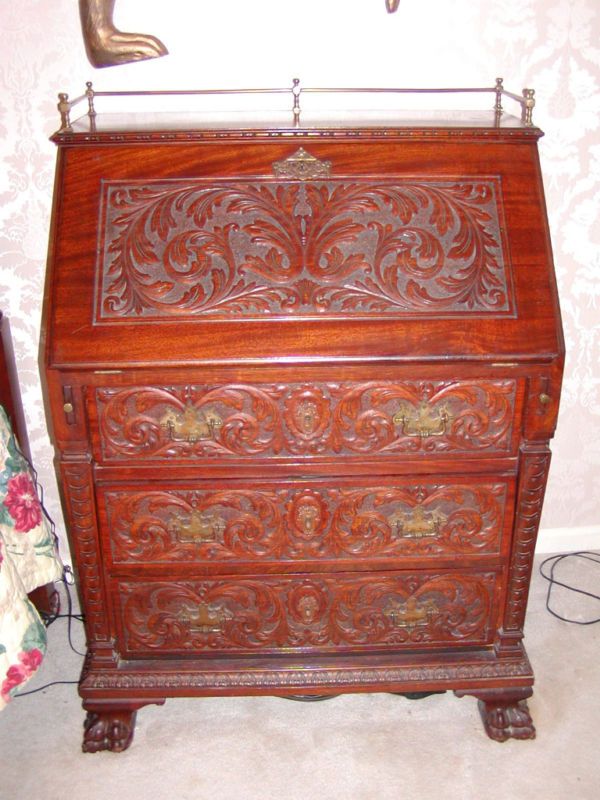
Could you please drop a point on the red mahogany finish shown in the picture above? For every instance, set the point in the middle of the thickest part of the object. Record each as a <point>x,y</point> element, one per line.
<point>302,380</point>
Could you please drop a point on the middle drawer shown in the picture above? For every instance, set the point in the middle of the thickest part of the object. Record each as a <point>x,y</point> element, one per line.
<point>230,523</point>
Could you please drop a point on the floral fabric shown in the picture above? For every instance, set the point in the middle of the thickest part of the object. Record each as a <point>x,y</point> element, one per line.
<point>27,560</point>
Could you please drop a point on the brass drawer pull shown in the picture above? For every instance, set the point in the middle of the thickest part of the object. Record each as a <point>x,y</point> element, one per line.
<point>196,528</point>
<point>422,422</point>
<point>206,619</point>
<point>191,425</point>
<point>416,525</point>
<point>411,613</point>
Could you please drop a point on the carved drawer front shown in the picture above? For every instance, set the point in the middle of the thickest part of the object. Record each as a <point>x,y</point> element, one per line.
<point>274,613</point>
<point>245,522</point>
<point>349,420</point>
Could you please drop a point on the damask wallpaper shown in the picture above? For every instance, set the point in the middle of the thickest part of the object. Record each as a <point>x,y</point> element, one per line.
<point>550,45</point>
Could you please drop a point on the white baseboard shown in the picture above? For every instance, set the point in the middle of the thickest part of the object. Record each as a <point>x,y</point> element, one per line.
<point>567,540</point>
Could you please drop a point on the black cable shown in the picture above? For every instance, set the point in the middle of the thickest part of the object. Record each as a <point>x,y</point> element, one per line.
<point>45,686</point>
<point>553,581</point>
<point>69,615</point>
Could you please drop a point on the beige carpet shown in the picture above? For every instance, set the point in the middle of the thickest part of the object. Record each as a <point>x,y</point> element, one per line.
<point>355,747</point>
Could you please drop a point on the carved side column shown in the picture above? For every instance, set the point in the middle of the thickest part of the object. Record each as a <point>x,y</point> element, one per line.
<point>76,473</point>
<point>533,474</point>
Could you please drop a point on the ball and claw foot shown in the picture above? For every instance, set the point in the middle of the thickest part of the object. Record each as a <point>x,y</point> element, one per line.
<point>503,721</point>
<point>505,713</point>
<point>108,730</point>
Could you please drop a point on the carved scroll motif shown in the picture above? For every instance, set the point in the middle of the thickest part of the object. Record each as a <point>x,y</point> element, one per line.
<point>279,420</point>
<point>184,249</point>
<point>247,614</point>
<point>249,524</point>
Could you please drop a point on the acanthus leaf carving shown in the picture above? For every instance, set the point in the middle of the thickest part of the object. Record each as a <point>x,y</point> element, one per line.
<point>320,612</point>
<point>347,419</point>
<point>188,248</point>
<point>255,523</point>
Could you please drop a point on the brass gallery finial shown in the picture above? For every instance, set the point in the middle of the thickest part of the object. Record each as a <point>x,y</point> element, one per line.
<point>392,5</point>
<point>105,45</point>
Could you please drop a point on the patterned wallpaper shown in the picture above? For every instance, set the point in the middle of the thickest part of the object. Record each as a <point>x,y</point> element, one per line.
<point>551,45</point>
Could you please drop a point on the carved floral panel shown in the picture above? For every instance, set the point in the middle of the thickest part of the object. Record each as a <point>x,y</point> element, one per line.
<point>306,420</point>
<point>309,522</point>
<point>175,249</point>
<point>306,612</point>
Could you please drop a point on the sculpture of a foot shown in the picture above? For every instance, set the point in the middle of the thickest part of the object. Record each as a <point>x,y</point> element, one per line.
<point>105,45</point>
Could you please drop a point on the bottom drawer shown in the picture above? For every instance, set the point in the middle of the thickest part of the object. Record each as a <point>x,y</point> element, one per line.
<point>307,613</point>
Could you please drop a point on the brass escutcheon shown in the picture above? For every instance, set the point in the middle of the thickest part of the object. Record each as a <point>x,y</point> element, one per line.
<point>421,422</point>
<point>302,166</point>
<point>308,516</point>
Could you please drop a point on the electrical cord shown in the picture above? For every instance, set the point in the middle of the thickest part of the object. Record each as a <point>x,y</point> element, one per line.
<point>553,581</point>
<point>70,616</point>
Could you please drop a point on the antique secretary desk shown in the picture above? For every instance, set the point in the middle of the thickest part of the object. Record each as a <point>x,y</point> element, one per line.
<point>302,375</point>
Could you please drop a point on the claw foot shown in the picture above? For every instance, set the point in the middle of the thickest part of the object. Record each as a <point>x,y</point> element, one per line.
<point>108,730</point>
<point>504,712</point>
<point>505,721</point>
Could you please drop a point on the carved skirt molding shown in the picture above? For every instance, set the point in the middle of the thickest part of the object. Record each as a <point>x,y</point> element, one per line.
<point>376,674</point>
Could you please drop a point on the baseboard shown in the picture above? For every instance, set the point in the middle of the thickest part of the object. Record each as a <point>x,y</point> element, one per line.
<point>566,540</point>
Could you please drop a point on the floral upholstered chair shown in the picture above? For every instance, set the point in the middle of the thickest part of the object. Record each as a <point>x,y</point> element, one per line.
<point>27,559</point>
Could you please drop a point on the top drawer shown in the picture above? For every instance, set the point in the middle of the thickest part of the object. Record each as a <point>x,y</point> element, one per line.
<point>309,421</point>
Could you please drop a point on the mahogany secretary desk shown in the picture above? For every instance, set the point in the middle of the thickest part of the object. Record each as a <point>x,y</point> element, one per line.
<point>302,375</point>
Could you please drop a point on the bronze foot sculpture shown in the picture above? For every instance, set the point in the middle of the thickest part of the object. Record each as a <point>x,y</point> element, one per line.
<point>106,46</point>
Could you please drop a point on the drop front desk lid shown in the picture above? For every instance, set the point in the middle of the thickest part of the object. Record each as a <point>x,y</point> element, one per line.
<point>306,236</point>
